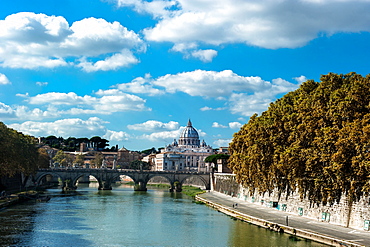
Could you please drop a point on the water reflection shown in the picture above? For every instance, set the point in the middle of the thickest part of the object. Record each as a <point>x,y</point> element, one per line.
<point>123,217</point>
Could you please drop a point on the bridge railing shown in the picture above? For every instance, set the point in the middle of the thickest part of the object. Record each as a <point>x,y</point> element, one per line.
<point>117,170</point>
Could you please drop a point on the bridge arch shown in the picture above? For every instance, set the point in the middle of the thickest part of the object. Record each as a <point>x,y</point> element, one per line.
<point>171,180</point>
<point>201,178</point>
<point>106,177</point>
<point>37,180</point>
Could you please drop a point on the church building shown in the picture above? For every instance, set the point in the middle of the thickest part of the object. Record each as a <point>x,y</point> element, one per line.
<point>188,154</point>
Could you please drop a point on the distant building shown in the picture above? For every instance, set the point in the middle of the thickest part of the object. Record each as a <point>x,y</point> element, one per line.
<point>222,166</point>
<point>187,154</point>
<point>113,160</point>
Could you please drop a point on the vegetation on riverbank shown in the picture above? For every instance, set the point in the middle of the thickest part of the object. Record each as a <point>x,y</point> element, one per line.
<point>11,160</point>
<point>191,190</point>
<point>315,139</point>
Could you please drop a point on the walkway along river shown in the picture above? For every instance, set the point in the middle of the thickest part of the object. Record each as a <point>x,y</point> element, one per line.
<point>123,217</point>
<point>271,218</point>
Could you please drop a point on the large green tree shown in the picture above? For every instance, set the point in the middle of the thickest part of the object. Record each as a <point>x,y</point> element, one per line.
<point>63,159</point>
<point>18,152</point>
<point>315,139</point>
<point>214,157</point>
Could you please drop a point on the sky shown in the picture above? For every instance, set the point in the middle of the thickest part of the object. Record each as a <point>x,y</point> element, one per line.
<point>135,71</point>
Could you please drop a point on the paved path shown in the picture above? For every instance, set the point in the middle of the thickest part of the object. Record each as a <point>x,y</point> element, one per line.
<point>360,237</point>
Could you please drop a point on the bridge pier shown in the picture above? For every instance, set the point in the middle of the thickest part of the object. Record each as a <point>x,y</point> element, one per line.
<point>176,187</point>
<point>105,185</point>
<point>106,177</point>
<point>140,186</point>
<point>68,185</point>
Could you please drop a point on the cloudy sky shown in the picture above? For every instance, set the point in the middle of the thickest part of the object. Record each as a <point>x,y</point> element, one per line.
<point>135,71</point>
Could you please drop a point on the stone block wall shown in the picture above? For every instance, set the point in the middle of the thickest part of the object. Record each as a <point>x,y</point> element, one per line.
<point>356,216</point>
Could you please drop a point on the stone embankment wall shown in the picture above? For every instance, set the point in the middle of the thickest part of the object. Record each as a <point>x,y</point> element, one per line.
<point>355,216</point>
<point>11,184</point>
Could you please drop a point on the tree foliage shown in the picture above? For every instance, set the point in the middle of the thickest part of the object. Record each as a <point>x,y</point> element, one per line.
<point>214,157</point>
<point>139,165</point>
<point>63,159</point>
<point>44,159</point>
<point>73,144</point>
<point>98,160</point>
<point>18,153</point>
<point>315,139</point>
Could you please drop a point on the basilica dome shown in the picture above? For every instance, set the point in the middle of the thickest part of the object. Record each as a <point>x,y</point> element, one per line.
<point>189,136</point>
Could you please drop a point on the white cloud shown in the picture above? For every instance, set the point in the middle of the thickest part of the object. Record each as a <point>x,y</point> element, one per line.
<point>140,85</point>
<point>30,41</point>
<point>154,126</point>
<point>54,98</point>
<point>182,47</point>
<point>204,55</point>
<point>23,112</point>
<point>4,80</point>
<point>265,23</point>
<point>64,127</point>
<point>300,79</point>
<point>217,125</point>
<point>54,104</point>
<point>247,105</point>
<point>235,125</point>
<point>41,84</point>
<point>87,104</point>
<point>206,108</point>
<point>116,135</point>
<point>157,8</point>
<point>244,95</point>
<point>210,83</point>
<point>76,127</point>
<point>222,142</point>
<point>164,136</point>
<point>116,61</point>
<point>6,112</point>
<point>190,50</point>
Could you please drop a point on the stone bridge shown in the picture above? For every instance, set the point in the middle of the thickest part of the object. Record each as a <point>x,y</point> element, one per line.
<point>106,177</point>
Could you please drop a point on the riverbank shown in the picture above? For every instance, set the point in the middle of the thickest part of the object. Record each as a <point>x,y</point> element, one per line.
<point>276,220</point>
<point>19,197</point>
<point>8,201</point>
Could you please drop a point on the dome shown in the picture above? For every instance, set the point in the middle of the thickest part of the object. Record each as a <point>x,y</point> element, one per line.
<point>189,132</point>
<point>189,136</point>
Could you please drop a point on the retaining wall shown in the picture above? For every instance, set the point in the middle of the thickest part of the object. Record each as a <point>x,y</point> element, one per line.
<point>356,216</point>
<point>280,228</point>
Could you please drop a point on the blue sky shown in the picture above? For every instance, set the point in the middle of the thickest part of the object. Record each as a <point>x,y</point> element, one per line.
<point>135,71</point>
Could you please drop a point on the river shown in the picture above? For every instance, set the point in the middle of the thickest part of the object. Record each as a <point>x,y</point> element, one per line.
<point>123,217</point>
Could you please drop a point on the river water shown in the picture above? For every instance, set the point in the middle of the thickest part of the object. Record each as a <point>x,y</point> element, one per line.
<point>123,217</point>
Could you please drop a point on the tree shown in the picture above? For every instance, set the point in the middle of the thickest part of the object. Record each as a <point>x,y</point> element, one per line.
<point>99,143</point>
<point>18,153</point>
<point>63,159</point>
<point>43,159</point>
<point>80,159</point>
<point>139,165</point>
<point>149,151</point>
<point>214,157</point>
<point>315,139</point>
<point>97,161</point>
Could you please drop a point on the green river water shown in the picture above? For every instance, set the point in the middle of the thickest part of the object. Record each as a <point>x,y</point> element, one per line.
<point>123,217</point>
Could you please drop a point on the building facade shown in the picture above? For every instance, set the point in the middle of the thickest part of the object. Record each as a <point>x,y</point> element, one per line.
<point>186,154</point>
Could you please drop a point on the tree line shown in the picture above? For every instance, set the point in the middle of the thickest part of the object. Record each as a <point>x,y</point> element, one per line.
<point>314,140</point>
<point>19,153</point>
<point>73,144</point>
